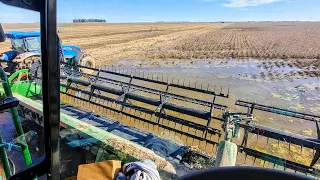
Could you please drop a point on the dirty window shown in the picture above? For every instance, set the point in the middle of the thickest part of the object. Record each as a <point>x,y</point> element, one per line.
<point>18,45</point>
<point>33,43</point>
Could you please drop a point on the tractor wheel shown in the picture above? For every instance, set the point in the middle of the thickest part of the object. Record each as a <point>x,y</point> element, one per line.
<point>36,71</point>
<point>28,62</point>
<point>87,61</point>
<point>9,67</point>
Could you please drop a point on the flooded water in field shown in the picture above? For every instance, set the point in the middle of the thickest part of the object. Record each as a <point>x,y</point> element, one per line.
<point>277,83</point>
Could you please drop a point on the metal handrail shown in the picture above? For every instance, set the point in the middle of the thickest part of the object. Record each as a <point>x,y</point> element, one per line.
<point>17,123</point>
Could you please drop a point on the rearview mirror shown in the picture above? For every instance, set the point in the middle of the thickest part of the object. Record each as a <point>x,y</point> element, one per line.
<point>2,36</point>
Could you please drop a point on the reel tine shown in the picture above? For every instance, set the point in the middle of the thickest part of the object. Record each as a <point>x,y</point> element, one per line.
<point>110,105</point>
<point>111,110</point>
<point>188,129</point>
<point>289,146</point>
<point>313,151</point>
<point>193,140</point>
<point>139,115</point>
<point>145,117</point>
<point>217,149</point>
<point>115,106</point>
<point>105,111</point>
<point>254,161</point>
<point>120,115</point>
<point>245,158</point>
<point>149,124</point>
<point>129,112</point>
<point>210,140</point>
<point>134,120</point>
<point>153,126</point>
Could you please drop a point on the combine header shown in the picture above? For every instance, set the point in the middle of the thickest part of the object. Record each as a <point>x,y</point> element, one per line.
<point>290,138</point>
<point>163,103</point>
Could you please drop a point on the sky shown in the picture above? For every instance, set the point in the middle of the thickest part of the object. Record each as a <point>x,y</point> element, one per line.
<point>173,10</point>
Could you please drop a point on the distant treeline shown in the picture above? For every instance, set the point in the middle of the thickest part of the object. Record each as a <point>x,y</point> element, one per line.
<point>88,20</point>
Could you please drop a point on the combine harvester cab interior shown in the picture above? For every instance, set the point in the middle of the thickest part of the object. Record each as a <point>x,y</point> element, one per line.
<point>111,113</point>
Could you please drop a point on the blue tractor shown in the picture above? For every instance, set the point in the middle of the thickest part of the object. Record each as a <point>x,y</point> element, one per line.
<point>26,51</point>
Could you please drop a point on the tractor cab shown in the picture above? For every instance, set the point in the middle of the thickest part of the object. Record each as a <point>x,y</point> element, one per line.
<point>29,41</point>
<point>21,42</point>
<point>24,41</point>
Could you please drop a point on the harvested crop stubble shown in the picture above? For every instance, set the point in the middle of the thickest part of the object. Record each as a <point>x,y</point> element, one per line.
<point>256,40</point>
<point>111,42</point>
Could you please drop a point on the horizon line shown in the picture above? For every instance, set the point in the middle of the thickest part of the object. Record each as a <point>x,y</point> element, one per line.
<point>158,22</point>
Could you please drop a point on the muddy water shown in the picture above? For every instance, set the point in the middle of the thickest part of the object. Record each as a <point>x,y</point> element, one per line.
<point>277,83</point>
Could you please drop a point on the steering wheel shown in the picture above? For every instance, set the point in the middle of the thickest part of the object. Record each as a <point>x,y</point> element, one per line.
<point>242,172</point>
